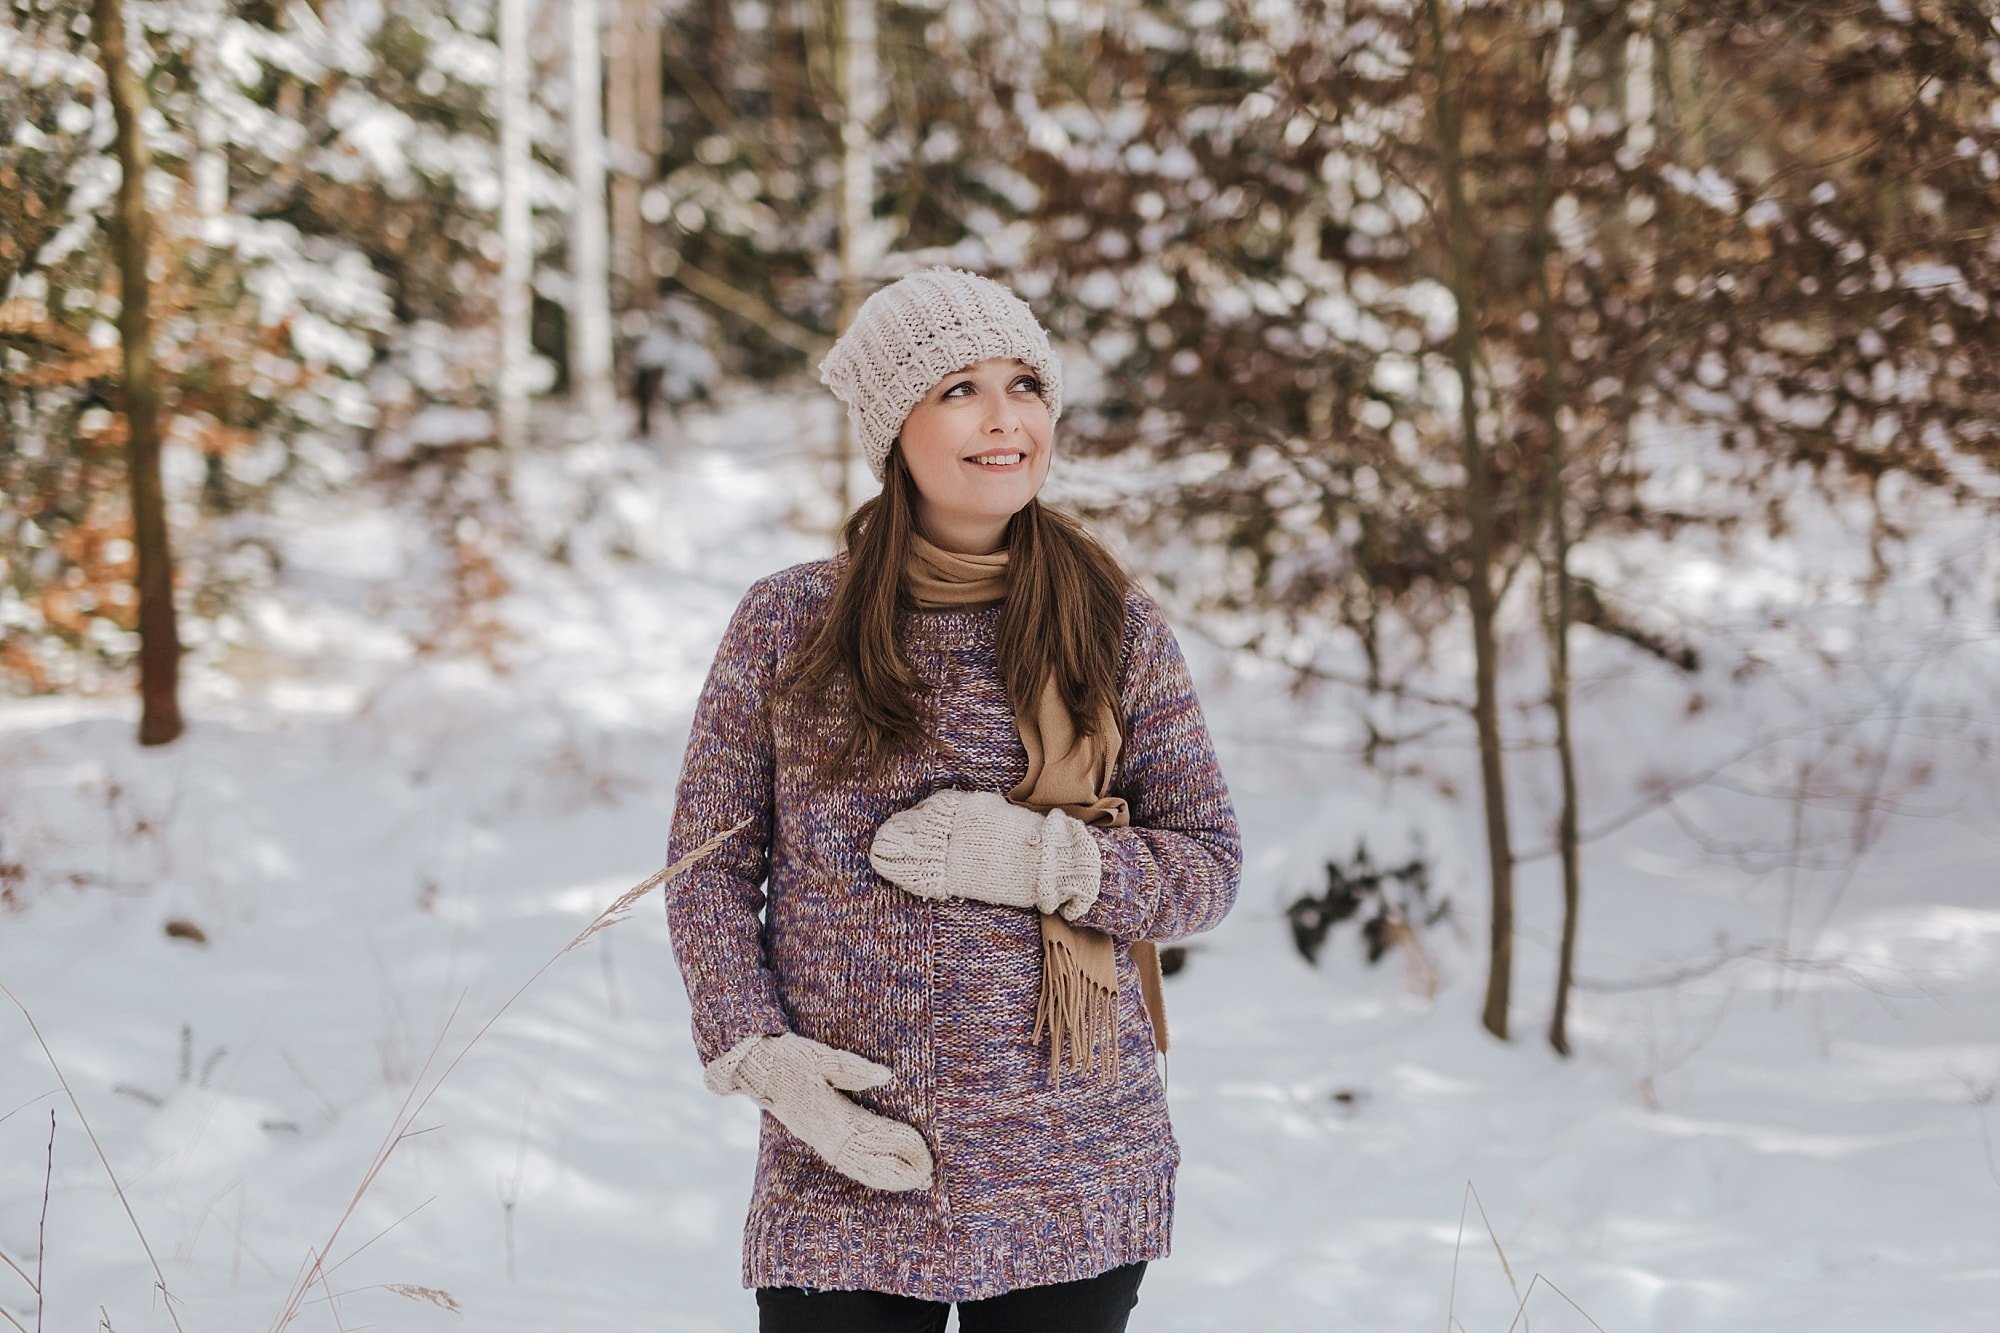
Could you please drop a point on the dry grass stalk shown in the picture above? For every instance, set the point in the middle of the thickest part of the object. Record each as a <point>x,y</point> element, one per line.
<point>1522,1309</point>
<point>313,1266</point>
<point>33,1285</point>
<point>25,1105</point>
<point>622,908</point>
<point>17,1323</point>
<point>1458,1241</point>
<point>1420,971</point>
<point>1520,1297</point>
<point>431,1294</point>
<point>315,1269</point>
<point>356,1251</point>
<point>444,1300</point>
<point>4,1259</point>
<point>49,1055</point>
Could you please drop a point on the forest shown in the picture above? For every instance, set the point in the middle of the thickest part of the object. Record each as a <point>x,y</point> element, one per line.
<point>1564,436</point>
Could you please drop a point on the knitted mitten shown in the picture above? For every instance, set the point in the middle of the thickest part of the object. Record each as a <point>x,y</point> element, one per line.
<point>980,845</point>
<point>795,1078</point>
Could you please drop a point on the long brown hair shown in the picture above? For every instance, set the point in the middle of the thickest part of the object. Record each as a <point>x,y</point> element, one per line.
<point>1064,618</point>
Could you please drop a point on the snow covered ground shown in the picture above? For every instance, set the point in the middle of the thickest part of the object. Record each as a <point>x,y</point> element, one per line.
<point>1782,1114</point>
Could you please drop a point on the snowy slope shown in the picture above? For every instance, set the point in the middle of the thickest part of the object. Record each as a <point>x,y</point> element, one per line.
<point>375,841</point>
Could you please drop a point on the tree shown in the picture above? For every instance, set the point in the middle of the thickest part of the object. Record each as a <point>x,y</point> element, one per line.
<point>1478,571</point>
<point>590,292</point>
<point>1552,61</point>
<point>860,103</point>
<point>159,633</point>
<point>517,258</point>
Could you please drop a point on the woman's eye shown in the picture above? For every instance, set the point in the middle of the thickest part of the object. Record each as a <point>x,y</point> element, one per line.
<point>1034,386</point>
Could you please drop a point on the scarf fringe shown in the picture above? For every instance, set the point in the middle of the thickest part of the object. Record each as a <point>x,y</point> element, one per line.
<point>1078,1012</point>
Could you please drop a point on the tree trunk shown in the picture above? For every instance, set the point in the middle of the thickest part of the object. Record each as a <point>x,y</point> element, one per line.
<point>159,634</point>
<point>590,297</point>
<point>718,53</point>
<point>860,96</point>
<point>1553,83</point>
<point>629,169</point>
<point>517,258</point>
<point>648,68</point>
<point>1479,552</point>
<point>785,75</point>
<point>633,106</point>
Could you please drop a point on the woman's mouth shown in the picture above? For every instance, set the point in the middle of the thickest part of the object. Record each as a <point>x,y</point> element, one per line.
<point>998,462</point>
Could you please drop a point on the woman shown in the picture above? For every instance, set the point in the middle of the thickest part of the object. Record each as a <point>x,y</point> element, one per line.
<point>966,757</point>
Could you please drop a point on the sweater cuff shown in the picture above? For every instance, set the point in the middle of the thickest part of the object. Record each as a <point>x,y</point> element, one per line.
<point>719,1074</point>
<point>724,1018</point>
<point>1126,895</point>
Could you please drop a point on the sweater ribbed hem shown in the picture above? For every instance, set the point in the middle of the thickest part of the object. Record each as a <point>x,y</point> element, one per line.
<point>973,1259</point>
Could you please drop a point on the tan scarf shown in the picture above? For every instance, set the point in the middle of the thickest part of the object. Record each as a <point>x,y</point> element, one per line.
<point>1078,1007</point>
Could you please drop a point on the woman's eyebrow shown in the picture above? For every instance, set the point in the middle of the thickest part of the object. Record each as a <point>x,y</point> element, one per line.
<point>954,379</point>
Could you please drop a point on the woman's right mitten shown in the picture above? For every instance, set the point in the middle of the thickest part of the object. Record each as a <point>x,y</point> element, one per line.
<point>799,1081</point>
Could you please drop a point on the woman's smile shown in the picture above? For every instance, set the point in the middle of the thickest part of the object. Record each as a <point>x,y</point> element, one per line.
<point>1009,461</point>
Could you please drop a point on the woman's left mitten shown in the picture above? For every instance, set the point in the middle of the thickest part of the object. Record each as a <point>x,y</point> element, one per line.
<point>801,1082</point>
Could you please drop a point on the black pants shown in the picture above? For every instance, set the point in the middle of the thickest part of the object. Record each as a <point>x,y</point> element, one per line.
<point>1098,1304</point>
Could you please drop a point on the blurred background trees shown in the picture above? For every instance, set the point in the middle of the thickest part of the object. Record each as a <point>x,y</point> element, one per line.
<point>1381,316</point>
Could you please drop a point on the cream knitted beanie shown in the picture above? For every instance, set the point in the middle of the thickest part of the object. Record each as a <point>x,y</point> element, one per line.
<point>914,332</point>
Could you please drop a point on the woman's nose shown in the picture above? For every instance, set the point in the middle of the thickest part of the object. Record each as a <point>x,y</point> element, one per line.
<point>1003,416</point>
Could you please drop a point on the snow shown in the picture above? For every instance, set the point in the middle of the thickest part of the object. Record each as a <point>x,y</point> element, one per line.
<point>1780,1117</point>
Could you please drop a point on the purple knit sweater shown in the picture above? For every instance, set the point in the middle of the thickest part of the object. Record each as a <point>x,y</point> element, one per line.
<point>787,927</point>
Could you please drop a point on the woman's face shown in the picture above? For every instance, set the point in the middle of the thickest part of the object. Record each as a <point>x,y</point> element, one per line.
<point>977,445</point>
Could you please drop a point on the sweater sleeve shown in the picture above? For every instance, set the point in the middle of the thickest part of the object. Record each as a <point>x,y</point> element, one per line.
<point>1173,871</point>
<point>714,906</point>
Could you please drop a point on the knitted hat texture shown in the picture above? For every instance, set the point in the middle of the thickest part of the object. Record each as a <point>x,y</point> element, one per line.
<point>920,328</point>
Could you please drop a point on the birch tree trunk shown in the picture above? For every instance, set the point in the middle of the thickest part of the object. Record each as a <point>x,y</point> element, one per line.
<point>517,257</point>
<point>1479,513</point>
<point>628,156</point>
<point>590,299</point>
<point>860,97</point>
<point>131,233</point>
<point>1554,68</point>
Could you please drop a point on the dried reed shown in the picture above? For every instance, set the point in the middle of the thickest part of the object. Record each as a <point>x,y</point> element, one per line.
<point>1520,1297</point>
<point>314,1268</point>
